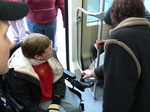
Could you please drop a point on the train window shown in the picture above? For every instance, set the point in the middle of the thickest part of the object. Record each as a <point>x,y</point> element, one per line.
<point>147,5</point>
<point>94,6</point>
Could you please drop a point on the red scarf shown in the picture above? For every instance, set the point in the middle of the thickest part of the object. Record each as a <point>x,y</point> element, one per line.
<point>46,77</point>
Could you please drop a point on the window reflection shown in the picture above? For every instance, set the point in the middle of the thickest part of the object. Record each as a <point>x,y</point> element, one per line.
<point>94,6</point>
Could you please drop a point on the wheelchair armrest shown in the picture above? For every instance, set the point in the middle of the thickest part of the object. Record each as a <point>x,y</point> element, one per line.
<point>13,102</point>
<point>69,75</point>
<point>83,84</point>
<point>80,84</point>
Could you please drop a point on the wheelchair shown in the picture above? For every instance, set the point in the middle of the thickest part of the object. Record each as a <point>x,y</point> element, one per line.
<point>14,106</point>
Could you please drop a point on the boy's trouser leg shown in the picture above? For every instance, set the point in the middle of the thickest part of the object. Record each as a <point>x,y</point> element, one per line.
<point>71,102</point>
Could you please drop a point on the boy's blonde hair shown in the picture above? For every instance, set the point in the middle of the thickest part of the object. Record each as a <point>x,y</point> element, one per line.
<point>35,44</point>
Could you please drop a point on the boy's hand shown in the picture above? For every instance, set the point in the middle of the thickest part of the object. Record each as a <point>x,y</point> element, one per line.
<point>53,108</point>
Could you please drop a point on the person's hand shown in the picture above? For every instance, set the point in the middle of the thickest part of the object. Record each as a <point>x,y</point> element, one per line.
<point>53,108</point>
<point>100,44</point>
<point>86,74</point>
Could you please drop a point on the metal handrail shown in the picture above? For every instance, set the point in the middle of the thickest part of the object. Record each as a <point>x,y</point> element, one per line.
<point>100,16</point>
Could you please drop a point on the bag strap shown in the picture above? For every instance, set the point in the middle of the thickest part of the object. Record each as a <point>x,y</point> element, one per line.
<point>124,46</point>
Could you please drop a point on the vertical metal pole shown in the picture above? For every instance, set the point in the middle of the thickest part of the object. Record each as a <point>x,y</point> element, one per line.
<point>67,35</point>
<point>100,30</point>
<point>99,37</point>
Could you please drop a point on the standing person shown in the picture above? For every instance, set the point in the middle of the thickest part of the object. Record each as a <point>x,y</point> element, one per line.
<point>126,64</point>
<point>38,82</point>
<point>8,11</point>
<point>18,29</point>
<point>42,17</point>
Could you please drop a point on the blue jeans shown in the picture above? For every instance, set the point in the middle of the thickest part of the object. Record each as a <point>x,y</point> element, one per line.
<point>48,29</point>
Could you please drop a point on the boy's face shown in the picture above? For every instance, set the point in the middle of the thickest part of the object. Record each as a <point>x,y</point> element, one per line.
<point>5,46</point>
<point>46,55</point>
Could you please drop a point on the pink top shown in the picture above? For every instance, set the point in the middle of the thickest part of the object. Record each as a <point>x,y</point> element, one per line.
<point>44,11</point>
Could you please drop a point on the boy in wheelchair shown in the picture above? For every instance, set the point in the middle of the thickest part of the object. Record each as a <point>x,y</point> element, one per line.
<point>37,80</point>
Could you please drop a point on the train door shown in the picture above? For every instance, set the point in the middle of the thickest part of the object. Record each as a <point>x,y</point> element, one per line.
<point>83,31</point>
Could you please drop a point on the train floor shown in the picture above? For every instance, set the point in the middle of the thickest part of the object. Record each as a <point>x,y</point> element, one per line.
<point>92,100</point>
<point>92,103</point>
